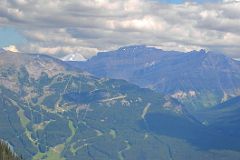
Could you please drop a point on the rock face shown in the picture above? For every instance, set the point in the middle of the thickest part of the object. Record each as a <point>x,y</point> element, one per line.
<point>48,110</point>
<point>198,78</point>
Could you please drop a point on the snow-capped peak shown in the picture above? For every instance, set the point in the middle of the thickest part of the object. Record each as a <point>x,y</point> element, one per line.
<point>74,57</point>
<point>11,48</point>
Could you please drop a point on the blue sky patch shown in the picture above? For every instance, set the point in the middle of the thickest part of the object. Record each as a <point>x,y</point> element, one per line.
<point>10,36</point>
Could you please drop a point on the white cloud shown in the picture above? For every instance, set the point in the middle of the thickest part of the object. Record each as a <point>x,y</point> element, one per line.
<point>85,27</point>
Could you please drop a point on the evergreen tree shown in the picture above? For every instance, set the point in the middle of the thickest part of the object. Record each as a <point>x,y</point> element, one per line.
<point>6,153</point>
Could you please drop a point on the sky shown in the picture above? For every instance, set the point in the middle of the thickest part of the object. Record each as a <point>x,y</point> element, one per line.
<point>61,28</point>
<point>10,36</point>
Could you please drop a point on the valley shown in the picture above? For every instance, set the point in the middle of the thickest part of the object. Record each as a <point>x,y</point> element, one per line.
<point>67,114</point>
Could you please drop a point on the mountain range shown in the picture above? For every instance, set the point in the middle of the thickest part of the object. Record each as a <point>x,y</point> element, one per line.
<point>51,109</point>
<point>198,79</point>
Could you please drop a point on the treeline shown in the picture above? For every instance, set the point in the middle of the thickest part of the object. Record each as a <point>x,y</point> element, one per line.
<point>6,153</point>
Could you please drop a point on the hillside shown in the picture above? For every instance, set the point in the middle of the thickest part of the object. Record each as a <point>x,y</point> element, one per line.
<point>48,110</point>
<point>197,79</point>
<point>224,117</point>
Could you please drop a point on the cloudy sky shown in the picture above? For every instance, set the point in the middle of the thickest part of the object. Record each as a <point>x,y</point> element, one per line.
<point>84,27</point>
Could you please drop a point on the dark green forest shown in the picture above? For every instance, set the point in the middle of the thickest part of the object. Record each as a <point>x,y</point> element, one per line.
<point>6,153</point>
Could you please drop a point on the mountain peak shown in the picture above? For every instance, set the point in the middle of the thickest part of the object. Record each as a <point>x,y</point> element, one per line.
<point>136,48</point>
<point>8,51</point>
<point>11,48</point>
<point>201,51</point>
<point>132,47</point>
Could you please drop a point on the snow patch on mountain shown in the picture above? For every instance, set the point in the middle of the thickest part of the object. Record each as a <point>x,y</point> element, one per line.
<point>237,59</point>
<point>183,95</point>
<point>11,48</point>
<point>149,64</point>
<point>74,57</point>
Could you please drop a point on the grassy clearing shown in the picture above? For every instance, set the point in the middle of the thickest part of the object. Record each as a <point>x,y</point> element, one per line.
<point>120,153</point>
<point>113,133</point>
<point>73,131</point>
<point>23,119</point>
<point>98,133</point>
<point>145,110</point>
<point>54,153</point>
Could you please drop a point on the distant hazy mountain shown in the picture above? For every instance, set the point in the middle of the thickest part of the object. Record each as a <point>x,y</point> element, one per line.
<point>49,111</point>
<point>197,78</point>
